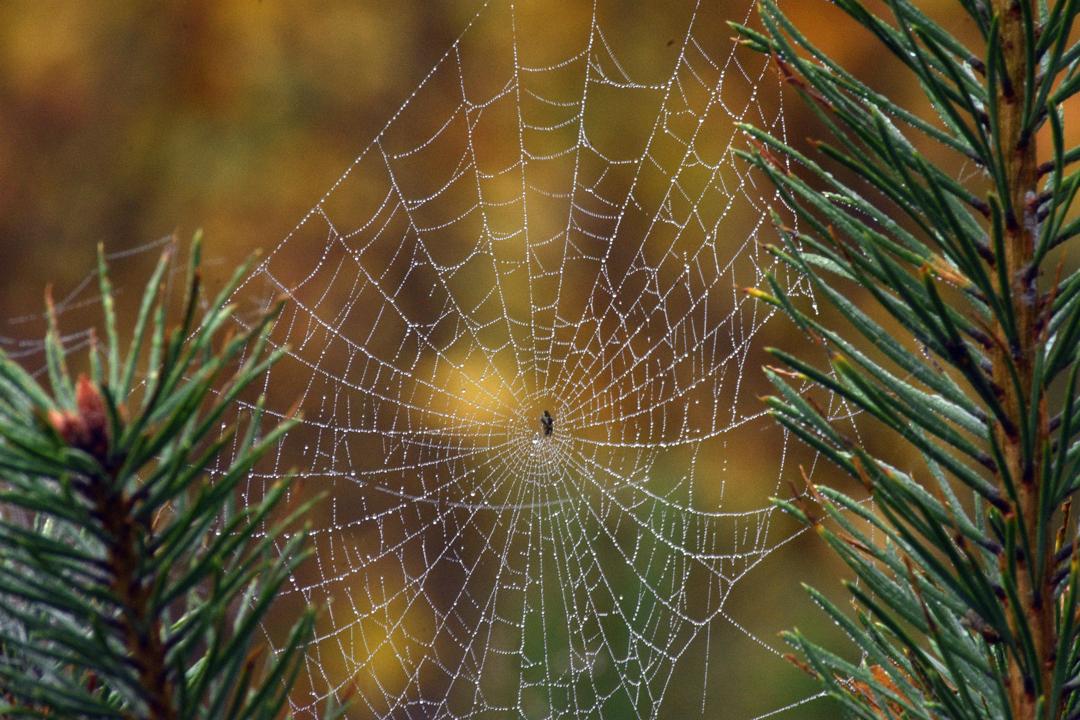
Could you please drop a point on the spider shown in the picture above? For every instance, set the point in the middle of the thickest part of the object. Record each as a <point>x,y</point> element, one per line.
<point>547,422</point>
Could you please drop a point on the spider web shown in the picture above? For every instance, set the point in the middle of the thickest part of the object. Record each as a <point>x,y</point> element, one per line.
<point>76,307</point>
<point>552,222</point>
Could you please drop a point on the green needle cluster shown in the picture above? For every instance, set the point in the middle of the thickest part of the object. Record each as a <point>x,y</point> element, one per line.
<point>133,579</point>
<point>966,351</point>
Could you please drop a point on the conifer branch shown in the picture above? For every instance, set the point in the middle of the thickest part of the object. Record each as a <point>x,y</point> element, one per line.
<point>968,608</point>
<point>133,579</point>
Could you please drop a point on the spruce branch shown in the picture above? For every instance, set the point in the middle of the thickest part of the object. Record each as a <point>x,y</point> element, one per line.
<point>132,579</point>
<point>968,608</point>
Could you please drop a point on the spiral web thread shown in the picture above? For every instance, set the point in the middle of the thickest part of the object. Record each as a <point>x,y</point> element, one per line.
<point>544,225</point>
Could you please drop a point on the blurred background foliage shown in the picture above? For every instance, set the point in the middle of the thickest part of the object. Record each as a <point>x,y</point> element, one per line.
<point>125,122</point>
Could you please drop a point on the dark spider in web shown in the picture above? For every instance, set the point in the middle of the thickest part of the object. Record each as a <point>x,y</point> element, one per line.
<point>548,423</point>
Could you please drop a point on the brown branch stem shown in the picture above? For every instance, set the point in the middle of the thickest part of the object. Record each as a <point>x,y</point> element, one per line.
<point>141,627</point>
<point>1013,370</point>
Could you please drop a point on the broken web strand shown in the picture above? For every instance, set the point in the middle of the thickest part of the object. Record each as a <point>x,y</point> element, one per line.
<point>78,308</point>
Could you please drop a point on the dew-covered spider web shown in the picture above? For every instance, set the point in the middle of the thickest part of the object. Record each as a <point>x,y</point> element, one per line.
<point>519,332</point>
